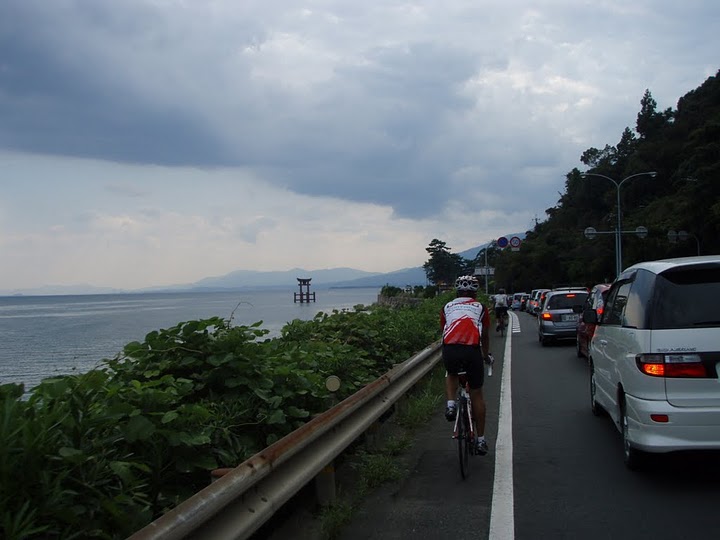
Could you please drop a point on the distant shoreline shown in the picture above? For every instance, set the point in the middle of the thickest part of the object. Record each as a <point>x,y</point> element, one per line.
<point>273,288</point>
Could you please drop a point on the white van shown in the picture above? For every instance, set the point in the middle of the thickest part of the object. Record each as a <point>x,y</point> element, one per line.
<point>655,356</point>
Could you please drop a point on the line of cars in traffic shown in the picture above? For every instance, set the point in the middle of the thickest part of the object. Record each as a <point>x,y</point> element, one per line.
<point>652,342</point>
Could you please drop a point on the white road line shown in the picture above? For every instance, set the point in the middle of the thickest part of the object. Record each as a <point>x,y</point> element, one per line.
<point>502,516</point>
<point>515,323</point>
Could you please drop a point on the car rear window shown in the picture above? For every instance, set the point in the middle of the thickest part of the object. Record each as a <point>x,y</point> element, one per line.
<point>687,298</point>
<point>566,300</point>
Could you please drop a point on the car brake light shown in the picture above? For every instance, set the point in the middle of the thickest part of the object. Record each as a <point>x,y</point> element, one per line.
<point>660,418</point>
<point>569,296</point>
<point>671,365</point>
<point>599,311</point>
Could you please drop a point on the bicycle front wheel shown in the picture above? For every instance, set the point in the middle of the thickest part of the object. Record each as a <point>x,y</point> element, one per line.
<point>463,440</point>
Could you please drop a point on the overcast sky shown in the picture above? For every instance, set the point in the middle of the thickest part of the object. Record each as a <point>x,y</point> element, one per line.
<point>154,142</point>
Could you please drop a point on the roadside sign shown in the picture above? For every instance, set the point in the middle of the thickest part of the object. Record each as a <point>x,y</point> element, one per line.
<point>502,242</point>
<point>515,243</point>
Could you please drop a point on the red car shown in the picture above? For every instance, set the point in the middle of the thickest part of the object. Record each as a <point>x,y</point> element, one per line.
<point>585,331</point>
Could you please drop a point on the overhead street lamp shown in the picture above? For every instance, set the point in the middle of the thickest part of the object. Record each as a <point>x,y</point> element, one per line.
<point>618,227</point>
<point>641,232</point>
<point>486,270</point>
<point>681,236</point>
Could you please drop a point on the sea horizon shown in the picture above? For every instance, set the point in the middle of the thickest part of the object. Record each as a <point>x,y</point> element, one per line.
<point>47,335</point>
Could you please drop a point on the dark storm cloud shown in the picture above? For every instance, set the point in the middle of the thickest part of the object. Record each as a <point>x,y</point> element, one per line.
<point>381,137</point>
<point>58,97</point>
<point>401,104</point>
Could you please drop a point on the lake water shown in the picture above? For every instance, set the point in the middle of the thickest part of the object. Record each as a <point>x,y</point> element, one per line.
<point>42,336</point>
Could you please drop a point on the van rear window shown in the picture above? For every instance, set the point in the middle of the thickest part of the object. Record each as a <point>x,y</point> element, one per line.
<point>687,298</point>
<point>566,301</point>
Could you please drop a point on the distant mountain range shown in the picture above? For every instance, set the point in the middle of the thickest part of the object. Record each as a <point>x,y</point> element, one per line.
<point>250,279</point>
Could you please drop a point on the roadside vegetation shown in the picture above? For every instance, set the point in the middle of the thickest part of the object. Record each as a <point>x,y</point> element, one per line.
<point>681,145</point>
<point>102,454</point>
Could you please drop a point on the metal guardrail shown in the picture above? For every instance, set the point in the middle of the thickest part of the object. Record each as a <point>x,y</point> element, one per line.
<point>242,500</point>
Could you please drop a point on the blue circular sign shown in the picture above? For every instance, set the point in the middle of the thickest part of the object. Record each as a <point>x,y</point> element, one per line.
<point>502,242</point>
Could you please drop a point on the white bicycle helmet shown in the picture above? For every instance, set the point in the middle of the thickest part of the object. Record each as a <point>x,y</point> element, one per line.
<point>467,283</point>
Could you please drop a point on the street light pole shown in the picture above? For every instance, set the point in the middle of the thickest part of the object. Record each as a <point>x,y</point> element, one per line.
<point>618,229</point>
<point>486,272</point>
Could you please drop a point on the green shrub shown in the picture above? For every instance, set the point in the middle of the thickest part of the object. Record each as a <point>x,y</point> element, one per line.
<point>104,453</point>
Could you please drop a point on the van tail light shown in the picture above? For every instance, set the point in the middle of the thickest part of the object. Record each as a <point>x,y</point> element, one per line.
<point>599,311</point>
<point>547,316</point>
<point>671,365</point>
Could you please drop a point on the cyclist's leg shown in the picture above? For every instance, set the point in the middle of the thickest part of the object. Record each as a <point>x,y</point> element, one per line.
<point>453,363</point>
<point>452,367</point>
<point>478,408</point>
<point>451,384</point>
<point>504,316</point>
<point>476,379</point>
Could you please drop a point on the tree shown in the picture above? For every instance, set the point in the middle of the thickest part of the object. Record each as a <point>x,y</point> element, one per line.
<point>626,147</point>
<point>650,122</point>
<point>443,266</point>
<point>594,158</point>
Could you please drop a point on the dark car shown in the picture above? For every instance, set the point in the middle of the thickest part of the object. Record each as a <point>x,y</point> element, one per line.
<point>559,314</point>
<point>585,331</point>
<point>537,298</point>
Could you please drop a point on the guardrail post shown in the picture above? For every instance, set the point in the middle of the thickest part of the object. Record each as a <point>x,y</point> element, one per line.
<point>402,405</point>
<point>372,436</point>
<point>325,485</point>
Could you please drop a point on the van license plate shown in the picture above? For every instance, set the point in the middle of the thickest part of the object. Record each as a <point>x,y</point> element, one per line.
<point>567,317</point>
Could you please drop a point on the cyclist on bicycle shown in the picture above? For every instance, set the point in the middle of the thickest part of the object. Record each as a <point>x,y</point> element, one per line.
<point>465,323</point>
<point>501,308</point>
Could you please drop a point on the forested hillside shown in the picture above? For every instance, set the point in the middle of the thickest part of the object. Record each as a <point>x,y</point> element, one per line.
<point>683,147</point>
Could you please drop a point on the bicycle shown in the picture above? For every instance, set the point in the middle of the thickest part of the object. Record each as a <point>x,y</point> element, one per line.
<point>464,428</point>
<point>502,323</point>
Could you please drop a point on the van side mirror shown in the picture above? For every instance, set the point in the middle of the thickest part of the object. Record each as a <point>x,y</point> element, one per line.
<point>589,316</point>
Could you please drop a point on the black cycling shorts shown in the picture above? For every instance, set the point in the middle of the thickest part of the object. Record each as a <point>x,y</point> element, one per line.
<point>501,310</point>
<point>466,358</point>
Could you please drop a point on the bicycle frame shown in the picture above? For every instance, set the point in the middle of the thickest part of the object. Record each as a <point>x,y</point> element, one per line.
<point>464,427</point>
<point>503,322</point>
<point>463,401</point>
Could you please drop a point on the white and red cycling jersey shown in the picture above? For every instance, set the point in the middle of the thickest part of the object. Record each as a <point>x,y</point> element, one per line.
<point>462,320</point>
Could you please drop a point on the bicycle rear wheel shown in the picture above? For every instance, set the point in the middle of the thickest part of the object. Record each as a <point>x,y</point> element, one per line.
<point>462,439</point>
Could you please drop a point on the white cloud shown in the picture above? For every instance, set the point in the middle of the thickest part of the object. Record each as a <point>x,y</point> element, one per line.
<point>184,225</point>
<point>159,141</point>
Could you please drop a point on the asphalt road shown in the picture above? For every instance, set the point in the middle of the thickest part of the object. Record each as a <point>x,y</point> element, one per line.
<point>555,472</point>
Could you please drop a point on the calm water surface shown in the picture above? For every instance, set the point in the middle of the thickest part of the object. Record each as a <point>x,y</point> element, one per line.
<point>42,336</point>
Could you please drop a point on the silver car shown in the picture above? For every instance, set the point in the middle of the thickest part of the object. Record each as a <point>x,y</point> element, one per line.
<point>559,314</point>
<point>655,356</point>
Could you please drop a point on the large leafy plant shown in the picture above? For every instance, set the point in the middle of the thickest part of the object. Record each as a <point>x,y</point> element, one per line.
<point>103,453</point>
